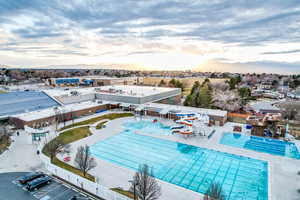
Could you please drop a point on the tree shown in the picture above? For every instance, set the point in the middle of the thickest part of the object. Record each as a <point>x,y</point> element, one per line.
<point>147,187</point>
<point>290,109</point>
<point>214,192</point>
<point>4,136</point>
<point>244,92</point>
<point>200,95</point>
<point>228,100</point>
<point>83,159</point>
<point>195,86</point>
<point>162,83</point>
<point>233,82</point>
<point>172,82</point>
<point>56,146</point>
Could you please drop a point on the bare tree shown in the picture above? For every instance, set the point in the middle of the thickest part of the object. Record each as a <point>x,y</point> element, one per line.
<point>146,187</point>
<point>4,135</point>
<point>226,99</point>
<point>56,146</point>
<point>290,109</point>
<point>83,159</point>
<point>214,192</point>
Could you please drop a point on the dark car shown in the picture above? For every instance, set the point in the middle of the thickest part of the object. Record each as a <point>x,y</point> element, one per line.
<point>37,183</point>
<point>29,177</point>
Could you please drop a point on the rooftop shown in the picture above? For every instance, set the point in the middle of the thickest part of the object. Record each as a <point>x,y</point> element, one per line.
<point>119,90</point>
<point>19,102</point>
<point>214,112</point>
<point>131,90</point>
<point>263,105</point>
<point>39,114</point>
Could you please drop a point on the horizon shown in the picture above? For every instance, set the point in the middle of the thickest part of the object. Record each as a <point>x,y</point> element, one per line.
<point>216,36</point>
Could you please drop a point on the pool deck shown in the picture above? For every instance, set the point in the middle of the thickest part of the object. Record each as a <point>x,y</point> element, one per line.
<point>283,179</point>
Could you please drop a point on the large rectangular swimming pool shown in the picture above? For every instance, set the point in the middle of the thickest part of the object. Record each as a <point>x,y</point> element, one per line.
<point>187,166</point>
<point>260,144</point>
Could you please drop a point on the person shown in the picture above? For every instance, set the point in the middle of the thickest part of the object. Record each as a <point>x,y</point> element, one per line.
<point>18,133</point>
<point>38,152</point>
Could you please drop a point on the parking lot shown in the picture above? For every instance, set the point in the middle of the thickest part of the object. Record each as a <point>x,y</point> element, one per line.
<point>56,190</point>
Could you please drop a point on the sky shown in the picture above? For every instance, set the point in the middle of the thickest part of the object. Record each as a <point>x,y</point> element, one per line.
<point>215,35</point>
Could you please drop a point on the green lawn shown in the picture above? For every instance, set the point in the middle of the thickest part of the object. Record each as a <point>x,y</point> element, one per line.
<point>74,134</point>
<point>72,169</point>
<point>68,137</point>
<point>96,119</point>
<point>100,125</point>
<point>123,192</point>
<point>5,142</point>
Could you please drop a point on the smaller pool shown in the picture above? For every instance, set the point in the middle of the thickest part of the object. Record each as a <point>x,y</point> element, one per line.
<point>148,127</point>
<point>260,144</point>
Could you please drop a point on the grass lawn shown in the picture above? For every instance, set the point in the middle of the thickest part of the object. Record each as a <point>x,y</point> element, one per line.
<point>123,192</point>
<point>1,91</point>
<point>110,116</point>
<point>4,143</point>
<point>68,137</point>
<point>72,169</point>
<point>100,125</point>
<point>74,134</point>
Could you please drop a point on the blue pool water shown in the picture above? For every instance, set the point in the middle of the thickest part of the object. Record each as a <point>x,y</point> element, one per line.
<point>19,102</point>
<point>147,126</point>
<point>266,145</point>
<point>187,166</point>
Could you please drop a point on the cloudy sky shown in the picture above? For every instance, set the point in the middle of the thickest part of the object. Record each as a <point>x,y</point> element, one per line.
<point>205,35</point>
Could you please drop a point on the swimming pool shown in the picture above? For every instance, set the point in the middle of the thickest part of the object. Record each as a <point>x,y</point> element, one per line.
<point>148,127</point>
<point>266,145</point>
<point>187,166</point>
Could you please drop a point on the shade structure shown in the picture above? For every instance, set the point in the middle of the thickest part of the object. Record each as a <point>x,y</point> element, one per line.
<point>164,111</point>
<point>125,105</point>
<point>140,108</point>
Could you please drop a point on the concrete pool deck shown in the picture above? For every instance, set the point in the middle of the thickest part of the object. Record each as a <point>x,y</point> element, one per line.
<point>283,179</point>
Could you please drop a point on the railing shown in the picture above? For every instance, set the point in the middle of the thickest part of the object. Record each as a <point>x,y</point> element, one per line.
<point>89,186</point>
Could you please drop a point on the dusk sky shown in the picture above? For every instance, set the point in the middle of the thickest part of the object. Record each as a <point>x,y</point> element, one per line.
<point>239,36</point>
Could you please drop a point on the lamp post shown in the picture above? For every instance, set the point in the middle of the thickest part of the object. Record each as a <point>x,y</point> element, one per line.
<point>134,184</point>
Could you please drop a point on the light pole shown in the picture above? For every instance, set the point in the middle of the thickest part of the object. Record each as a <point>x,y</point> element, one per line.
<point>134,184</point>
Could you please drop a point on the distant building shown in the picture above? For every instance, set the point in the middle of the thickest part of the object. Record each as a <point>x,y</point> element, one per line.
<point>263,107</point>
<point>94,81</point>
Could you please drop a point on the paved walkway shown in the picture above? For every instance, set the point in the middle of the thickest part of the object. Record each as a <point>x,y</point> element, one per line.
<point>22,155</point>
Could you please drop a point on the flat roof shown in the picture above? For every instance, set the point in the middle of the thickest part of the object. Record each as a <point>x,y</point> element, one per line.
<point>132,90</point>
<point>118,90</point>
<point>263,105</point>
<point>214,112</point>
<point>40,114</point>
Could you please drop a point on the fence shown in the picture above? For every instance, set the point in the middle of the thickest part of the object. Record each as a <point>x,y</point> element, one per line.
<point>89,186</point>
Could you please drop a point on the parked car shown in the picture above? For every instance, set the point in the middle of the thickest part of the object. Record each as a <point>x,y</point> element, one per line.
<point>37,183</point>
<point>29,177</point>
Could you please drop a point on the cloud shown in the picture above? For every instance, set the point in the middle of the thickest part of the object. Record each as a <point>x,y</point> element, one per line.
<point>110,28</point>
<point>281,52</point>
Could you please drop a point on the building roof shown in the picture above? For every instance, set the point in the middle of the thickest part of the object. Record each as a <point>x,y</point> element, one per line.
<point>40,114</point>
<point>164,107</point>
<point>118,90</point>
<point>263,105</point>
<point>131,90</point>
<point>24,101</point>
